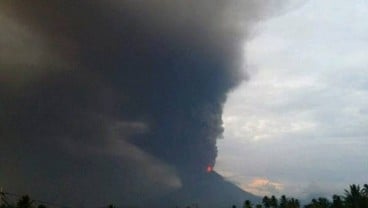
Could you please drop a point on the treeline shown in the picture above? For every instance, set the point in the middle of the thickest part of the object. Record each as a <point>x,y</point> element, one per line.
<point>23,202</point>
<point>354,197</point>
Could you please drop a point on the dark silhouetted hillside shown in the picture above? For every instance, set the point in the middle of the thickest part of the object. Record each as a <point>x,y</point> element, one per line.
<point>208,190</point>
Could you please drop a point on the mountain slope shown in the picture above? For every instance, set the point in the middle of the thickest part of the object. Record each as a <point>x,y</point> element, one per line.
<point>208,190</point>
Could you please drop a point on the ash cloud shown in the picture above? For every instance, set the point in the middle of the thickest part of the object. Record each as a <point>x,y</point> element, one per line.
<point>115,96</point>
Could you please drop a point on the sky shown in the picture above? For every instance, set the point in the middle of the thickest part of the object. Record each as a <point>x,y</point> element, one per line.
<point>298,126</point>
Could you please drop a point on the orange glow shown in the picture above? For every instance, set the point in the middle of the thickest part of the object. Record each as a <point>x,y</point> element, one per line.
<point>209,169</point>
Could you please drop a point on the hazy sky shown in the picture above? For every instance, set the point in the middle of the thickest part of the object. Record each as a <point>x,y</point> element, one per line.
<point>299,125</point>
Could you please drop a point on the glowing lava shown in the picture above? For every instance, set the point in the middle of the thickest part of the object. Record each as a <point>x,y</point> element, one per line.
<point>209,169</point>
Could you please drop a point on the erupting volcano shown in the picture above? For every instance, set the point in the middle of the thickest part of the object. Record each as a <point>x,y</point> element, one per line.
<point>121,97</point>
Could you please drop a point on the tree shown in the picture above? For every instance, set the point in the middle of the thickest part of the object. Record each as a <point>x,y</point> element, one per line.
<point>365,190</point>
<point>273,202</point>
<point>25,202</point>
<point>323,202</point>
<point>293,203</point>
<point>365,195</point>
<point>247,204</point>
<point>266,202</point>
<point>354,197</point>
<point>4,201</point>
<point>283,201</point>
<point>337,202</point>
<point>320,203</point>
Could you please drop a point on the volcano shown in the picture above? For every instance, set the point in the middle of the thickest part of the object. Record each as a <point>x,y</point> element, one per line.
<point>207,190</point>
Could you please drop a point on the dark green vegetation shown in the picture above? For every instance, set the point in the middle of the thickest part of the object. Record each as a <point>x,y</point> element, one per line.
<point>354,197</point>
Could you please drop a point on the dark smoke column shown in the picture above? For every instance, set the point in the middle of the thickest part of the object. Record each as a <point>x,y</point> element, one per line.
<point>187,108</point>
<point>177,67</point>
<point>112,95</point>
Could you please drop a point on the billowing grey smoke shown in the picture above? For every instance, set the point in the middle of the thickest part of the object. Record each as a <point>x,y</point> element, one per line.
<point>103,100</point>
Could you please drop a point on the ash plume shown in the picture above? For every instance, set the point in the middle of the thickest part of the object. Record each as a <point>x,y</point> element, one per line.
<point>115,96</point>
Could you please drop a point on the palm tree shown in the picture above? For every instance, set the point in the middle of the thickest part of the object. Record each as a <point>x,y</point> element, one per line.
<point>365,195</point>
<point>365,190</point>
<point>354,197</point>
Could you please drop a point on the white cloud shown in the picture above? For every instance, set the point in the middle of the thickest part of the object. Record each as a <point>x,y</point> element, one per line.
<point>302,117</point>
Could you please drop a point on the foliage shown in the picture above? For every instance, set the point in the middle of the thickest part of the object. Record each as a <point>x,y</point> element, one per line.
<point>354,197</point>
